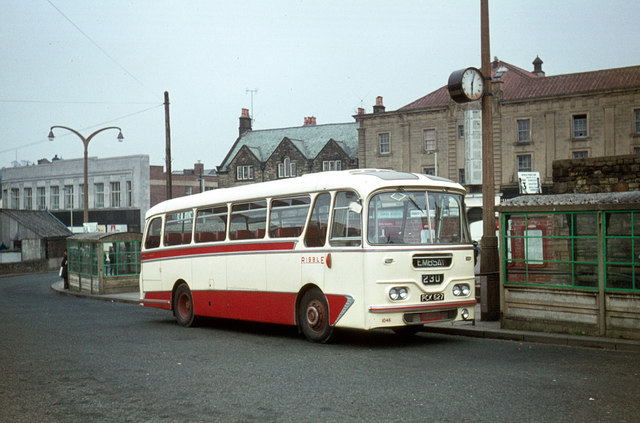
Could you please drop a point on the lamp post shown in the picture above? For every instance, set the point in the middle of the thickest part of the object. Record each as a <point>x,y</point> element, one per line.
<point>86,141</point>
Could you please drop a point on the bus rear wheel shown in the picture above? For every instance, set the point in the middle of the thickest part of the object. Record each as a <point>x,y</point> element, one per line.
<point>313,317</point>
<point>183,306</point>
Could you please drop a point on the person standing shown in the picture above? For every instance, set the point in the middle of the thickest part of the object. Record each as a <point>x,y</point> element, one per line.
<point>112,261</point>
<point>64,271</point>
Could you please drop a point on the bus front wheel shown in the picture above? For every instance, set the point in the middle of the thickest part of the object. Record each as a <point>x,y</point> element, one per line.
<point>313,316</point>
<point>183,306</point>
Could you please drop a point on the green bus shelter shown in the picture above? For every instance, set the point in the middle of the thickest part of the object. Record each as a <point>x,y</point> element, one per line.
<point>104,263</point>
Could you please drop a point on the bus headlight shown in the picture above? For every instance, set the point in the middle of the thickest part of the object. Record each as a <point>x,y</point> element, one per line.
<point>461,290</point>
<point>398,293</point>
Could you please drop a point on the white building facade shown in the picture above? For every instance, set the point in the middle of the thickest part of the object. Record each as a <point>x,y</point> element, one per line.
<point>118,188</point>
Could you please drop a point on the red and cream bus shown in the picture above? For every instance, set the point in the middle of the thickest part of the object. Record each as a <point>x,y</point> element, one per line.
<point>359,249</point>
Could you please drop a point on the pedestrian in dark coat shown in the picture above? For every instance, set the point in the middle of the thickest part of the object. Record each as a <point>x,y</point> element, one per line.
<point>64,273</point>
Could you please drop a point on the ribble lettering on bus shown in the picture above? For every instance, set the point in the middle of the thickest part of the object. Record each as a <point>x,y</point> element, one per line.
<point>312,260</point>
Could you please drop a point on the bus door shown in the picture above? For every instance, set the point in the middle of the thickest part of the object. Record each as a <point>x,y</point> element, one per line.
<point>314,259</point>
<point>151,272</point>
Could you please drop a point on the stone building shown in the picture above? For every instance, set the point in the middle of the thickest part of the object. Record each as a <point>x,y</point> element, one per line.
<point>269,154</point>
<point>537,119</point>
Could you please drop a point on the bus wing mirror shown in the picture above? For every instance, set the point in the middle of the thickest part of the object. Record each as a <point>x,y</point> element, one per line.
<point>355,207</point>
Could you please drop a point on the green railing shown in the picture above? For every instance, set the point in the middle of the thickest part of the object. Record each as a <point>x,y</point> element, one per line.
<point>120,258</point>
<point>622,252</point>
<point>566,249</point>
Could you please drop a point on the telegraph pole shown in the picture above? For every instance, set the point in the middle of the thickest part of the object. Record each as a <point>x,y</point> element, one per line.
<point>167,128</point>
<point>490,290</point>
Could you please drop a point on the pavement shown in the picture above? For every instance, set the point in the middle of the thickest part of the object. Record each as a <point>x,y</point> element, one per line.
<point>476,329</point>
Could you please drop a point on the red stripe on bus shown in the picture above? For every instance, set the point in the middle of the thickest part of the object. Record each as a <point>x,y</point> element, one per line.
<point>422,307</point>
<point>217,249</point>
<point>257,306</point>
<point>157,299</point>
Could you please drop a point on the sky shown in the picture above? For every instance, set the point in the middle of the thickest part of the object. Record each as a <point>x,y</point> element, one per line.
<point>92,64</point>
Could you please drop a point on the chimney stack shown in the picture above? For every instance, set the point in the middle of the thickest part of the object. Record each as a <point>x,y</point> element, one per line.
<point>537,67</point>
<point>245,122</point>
<point>379,107</point>
<point>310,121</point>
<point>360,110</point>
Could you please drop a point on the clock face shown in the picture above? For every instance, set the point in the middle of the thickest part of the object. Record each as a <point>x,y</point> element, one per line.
<point>472,83</point>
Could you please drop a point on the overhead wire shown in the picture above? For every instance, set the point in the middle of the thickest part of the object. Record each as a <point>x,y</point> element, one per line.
<point>83,129</point>
<point>98,46</point>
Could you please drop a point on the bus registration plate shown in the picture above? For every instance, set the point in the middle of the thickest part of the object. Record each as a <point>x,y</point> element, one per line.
<point>432,297</point>
<point>432,278</point>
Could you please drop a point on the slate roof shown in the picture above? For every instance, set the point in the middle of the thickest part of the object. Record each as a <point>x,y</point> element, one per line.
<point>309,139</point>
<point>42,223</point>
<point>519,84</point>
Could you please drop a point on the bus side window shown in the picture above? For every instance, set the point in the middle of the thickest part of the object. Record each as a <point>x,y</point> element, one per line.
<point>248,220</point>
<point>317,229</point>
<point>211,224</point>
<point>287,216</point>
<point>346,225</point>
<point>178,227</point>
<point>153,234</point>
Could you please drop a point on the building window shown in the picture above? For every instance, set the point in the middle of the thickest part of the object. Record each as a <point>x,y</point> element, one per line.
<point>287,169</point>
<point>429,171</point>
<point>28,198</point>
<point>41,198</point>
<point>244,173</point>
<point>580,154</point>
<point>461,176</point>
<point>461,131</point>
<point>429,139</point>
<point>68,197</point>
<point>98,195</point>
<point>579,126</point>
<point>129,194</point>
<point>81,196</point>
<point>384,144</point>
<point>524,130</point>
<point>115,194</point>
<point>188,190</point>
<point>55,197</point>
<point>636,121</point>
<point>15,198</point>
<point>328,165</point>
<point>636,150</point>
<point>524,163</point>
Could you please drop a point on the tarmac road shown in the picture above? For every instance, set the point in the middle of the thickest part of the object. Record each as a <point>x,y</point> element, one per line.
<point>68,359</point>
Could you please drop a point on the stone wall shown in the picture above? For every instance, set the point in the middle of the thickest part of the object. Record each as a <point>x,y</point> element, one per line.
<point>598,174</point>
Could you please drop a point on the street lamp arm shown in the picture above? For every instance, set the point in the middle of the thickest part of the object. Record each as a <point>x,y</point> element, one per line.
<point>86,140</point>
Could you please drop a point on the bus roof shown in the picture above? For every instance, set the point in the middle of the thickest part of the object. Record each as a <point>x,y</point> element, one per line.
<point>363,181</point>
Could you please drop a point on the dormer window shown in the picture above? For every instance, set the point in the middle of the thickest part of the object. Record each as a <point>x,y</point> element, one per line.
<point>287,169</point>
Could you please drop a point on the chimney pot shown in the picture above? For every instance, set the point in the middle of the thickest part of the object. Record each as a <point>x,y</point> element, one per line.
<point>360,110</point>
<point>310,121</point>
<point>245,122</point>
<point>379,107</point>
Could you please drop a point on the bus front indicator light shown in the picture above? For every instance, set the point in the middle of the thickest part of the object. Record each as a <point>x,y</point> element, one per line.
<point>465,313</point>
